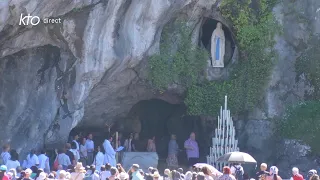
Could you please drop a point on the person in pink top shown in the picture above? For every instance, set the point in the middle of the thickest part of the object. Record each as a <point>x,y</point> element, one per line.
<point>192,149</point>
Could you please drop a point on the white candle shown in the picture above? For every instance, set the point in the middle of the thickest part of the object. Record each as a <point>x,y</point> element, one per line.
<point>216,133</point>
<point>221,114</point>
<point>225,102</point>
<point>223,134</point>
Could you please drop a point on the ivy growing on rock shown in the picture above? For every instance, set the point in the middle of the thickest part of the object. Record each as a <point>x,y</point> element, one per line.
<point>180,61</point>
<point>308,64</point>
<point>302,122</point>
<point>255,31</point>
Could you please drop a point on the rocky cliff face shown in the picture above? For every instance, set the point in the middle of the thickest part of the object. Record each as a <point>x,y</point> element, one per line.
<point>87,69</point>
<point>91,67</point>
<point>300,21</point>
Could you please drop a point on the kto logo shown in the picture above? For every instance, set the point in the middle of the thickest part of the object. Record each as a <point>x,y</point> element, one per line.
<point>26,20</point>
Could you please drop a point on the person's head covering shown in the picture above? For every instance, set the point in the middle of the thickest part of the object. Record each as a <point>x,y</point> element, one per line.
<point>62,174</point>
<point>79,168</point>
<point>188,175</point>
<point>3,168</point>
<point>135,167</point>
<point>167,171</point>
<point>156,174</point>
<point>42,176</point>
<point>123,176</point>
<point>264,165</point>
<point>295,171</point>
<point>28,171</point>
<point>312,172</point>
<point>274,170</point>
<point>150,169</point>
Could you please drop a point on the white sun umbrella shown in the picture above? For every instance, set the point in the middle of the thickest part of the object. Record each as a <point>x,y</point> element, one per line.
<point>237,157</point>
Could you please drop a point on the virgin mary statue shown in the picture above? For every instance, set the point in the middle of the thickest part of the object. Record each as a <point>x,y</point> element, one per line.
<point>217,47</point>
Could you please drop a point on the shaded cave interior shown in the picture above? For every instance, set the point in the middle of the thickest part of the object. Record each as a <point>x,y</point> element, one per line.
<point>157,118</point>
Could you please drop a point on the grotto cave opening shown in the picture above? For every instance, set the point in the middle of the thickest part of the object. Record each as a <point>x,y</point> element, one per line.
<point>208,26</point>
<point>156,117</point>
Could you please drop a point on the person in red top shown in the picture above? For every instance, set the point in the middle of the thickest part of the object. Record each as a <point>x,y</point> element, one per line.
<point>3,174</point>
<point>296,175</point>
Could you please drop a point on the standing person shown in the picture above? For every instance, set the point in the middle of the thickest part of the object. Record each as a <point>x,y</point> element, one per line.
<point>75,140</point>
<point>13,162</point>
<point>151,147</point>
<point>237,171</point>
<point>128,144</point>
<point>192,150</point>
<point>273,175</point>
<point>110,153</point>
<point>83,152</point>
<point>63,159</point>
<point>135,172</point>
<point>32,159</point>
<point>173,149</point>
<point>75,152</point>
<point>44,161</point>
<point>296,175</point>
<point>5,155</point>
<point>98,160</point>
<point>70,154</point>
<point>90,149</point>
<point>226,174</point>
<point>263,171</point>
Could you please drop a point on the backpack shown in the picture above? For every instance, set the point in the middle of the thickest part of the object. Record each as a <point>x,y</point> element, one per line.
<point>238,173</point>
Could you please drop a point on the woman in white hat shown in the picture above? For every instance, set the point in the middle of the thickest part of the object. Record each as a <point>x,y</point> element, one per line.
<point>79,173</point>
<point>42,176</point>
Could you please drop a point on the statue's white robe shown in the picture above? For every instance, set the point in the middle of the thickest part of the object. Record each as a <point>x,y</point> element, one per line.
<point>99,161</point>
<point>110,155</point>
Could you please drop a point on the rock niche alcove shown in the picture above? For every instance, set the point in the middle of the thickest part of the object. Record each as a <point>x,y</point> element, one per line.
<point>207,28</point>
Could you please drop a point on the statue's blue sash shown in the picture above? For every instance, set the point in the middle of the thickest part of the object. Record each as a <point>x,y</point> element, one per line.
<point>218,49</point>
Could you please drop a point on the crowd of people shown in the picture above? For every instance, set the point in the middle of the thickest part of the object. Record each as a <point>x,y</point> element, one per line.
<point>81,159</point>
<point>81,155</point>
